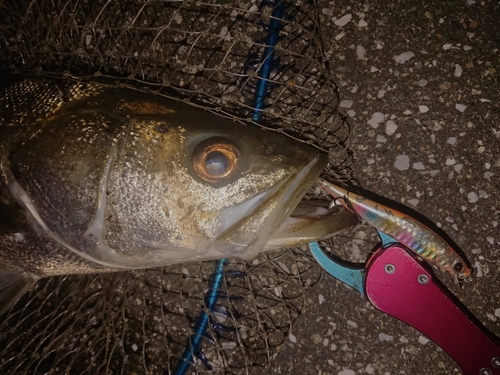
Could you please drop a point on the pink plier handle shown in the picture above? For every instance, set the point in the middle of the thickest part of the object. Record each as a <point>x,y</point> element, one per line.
<point>397,284</point>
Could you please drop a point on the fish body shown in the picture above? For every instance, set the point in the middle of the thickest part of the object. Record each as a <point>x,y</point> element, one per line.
<point>97,178</point>
<point>403,228</point>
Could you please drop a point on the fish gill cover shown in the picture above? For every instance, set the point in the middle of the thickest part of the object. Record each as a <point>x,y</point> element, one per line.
<point>209,54</point>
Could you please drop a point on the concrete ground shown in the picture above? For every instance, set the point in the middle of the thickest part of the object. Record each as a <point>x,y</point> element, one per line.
<point>420,83</point>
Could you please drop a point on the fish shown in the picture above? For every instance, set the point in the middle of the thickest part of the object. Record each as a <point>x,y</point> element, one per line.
<point>423,241</point>
<point>102,178</point>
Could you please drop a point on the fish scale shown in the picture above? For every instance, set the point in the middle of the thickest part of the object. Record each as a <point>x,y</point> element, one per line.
<point>27,100</point>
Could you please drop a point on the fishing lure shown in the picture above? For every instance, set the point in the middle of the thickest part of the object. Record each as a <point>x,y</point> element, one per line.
<point>402,228</point>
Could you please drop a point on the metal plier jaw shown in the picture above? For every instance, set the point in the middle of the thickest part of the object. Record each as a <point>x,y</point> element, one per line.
<point>396,283</point>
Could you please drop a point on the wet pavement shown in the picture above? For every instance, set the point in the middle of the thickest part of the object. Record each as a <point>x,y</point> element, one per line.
<point>419,81</point>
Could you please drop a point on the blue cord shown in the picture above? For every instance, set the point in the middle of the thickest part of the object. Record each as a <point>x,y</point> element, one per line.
<point>193,346</point>
<point>275,26</point>
<point>194,342</point>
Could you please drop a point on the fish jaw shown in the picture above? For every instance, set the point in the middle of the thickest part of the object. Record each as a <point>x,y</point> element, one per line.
<point>299,229</point>
<point>408,231</point>
<point>249,236</point>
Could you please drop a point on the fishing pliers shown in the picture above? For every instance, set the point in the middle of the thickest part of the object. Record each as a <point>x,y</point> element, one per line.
<point>397,283</point>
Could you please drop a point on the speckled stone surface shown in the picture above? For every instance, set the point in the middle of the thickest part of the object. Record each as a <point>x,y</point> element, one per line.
<point>419,81</point>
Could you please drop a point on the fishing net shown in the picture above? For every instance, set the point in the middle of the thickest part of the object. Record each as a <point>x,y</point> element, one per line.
<point>139,322</point>
<point>211,55</point>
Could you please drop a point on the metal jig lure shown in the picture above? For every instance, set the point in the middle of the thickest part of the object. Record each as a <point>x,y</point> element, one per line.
<point>402,228</point>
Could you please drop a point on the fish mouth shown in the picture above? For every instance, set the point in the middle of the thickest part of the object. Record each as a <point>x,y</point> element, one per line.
<point>311,221</point>
<point>235,215</point>
<point>280,218</point>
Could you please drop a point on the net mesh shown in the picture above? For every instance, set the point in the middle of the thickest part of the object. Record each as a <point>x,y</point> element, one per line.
<point>210,54</point>
<point>139,322</point>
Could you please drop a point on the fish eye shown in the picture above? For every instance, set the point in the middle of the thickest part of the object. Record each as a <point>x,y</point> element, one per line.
<point>458,267</point>
<point>215,160</point>
<point>216,163</point>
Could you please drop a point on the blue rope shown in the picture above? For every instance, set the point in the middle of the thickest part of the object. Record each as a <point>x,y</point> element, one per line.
<point>272,38</point>
<point>194,342</point>
<point>193,346</point>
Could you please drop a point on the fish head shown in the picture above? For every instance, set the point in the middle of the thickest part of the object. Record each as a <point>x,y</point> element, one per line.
<point>131,180</point>
<point>215,188</point>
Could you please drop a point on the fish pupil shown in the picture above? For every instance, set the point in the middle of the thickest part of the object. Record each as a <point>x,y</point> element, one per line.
<point>459,267</point>
<point>216,163</point>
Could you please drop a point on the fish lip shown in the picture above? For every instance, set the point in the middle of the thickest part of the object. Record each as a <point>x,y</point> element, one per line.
<point>248,237</point>
<point>237,214</point>
<point>230,217</point>
<point>299,230</point>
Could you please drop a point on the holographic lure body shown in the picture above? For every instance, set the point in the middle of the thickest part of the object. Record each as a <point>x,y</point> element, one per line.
<point>403,228</point>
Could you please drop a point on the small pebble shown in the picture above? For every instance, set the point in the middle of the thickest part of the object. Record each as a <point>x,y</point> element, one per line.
<point>340,35</point>
<point>460,107</point>
<point>472,197</point>
<point>419,166</point>
<point>402,162</point>
<point>376,119</point>
<point>390,127</point>
<point>352,324</point>
<point>316,338</point>
<point>423,108</point>
<point>482,194</point>
<point>292,337</point>
<point>450,161</point>
<point>346,104</point>
<point>385,337</point>
<point>344,20</point>
<point>404,57</point>
<point>360,52</point>
<point>228,345</point>
<point>452,140</point>
<point>479,269</point>
<point>458,71</point>
<point>413,202</point>
<point>423,340</point>
<point>233,15</point>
